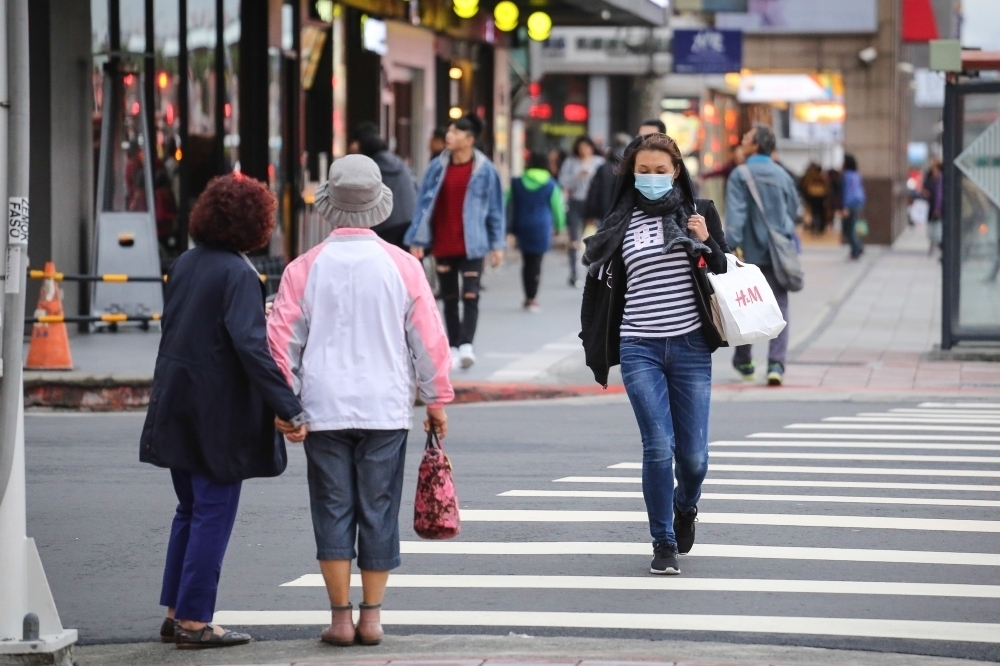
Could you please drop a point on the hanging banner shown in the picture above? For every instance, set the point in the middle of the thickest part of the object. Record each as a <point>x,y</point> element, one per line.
<point>707,51</point>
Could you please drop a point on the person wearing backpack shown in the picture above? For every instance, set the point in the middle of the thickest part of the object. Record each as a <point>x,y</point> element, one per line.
<point>748,228</point>
<point>536,209</point>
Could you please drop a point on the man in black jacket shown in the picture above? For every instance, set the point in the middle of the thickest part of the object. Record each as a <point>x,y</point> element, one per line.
<point>602,187</point>
<point>397,177</point>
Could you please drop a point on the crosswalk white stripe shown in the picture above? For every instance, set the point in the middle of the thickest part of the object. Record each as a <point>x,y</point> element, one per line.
<point>845,436</point>
<point>772,519</point>
<point>909,419</point>
<point>678,584</point>
<point>886,426</point>
<point>976,632</point>
<point>700,550</point>
<point>802,469</point>
<point>783,455</point>
<point>916,446</point>
<point>796,483</point>
<point>960,405</point>
<point>747,497</point>
<point>943,412</point>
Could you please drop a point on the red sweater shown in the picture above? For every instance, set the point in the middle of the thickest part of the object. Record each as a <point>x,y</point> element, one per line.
<point>448,221</point>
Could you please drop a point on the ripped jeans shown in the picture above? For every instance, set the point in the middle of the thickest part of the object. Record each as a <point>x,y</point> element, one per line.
<point>461,330</point>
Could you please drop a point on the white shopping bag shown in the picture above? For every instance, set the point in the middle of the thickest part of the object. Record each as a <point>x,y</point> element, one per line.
<point>746,304</point>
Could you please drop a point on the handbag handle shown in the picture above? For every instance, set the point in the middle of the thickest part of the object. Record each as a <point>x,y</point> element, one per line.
<point>433,441</point>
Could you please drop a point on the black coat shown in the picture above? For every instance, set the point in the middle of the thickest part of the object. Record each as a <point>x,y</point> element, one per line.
<point>600,196</point>
<point>216,388</point>
<point>604,298</point>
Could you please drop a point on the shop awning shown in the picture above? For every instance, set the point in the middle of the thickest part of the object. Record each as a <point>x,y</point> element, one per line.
<point>609,12</point>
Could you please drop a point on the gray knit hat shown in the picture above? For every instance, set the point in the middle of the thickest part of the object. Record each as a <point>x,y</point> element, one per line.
<point>354,196</point>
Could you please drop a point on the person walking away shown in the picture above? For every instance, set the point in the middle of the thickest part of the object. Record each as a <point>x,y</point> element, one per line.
<point>536,210</point>
<point>437,143</point>
<point>397,177</point>
<point>357,334</point>
<point>574,178</point>
<point>216,391</point>
<point>459,218</point>
<point>814,191</point>
<point>746,231</point>
<point>600,195</point>
<point>854,201</point>
<point>933,190</point>
<point>645,305</point>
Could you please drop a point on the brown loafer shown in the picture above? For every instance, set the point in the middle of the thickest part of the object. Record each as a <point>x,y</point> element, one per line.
<point>341,630</point>
<point>167,630</point>
<point>370,624</point>
<point>204,638</point>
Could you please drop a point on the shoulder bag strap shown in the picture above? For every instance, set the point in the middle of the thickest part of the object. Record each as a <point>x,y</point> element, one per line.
<point>751,185</point>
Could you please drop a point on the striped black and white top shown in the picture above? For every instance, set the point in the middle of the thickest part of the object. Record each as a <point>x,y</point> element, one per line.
<point>659,301</point>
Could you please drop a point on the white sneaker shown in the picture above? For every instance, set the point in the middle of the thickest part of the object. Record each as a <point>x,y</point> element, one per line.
<point>468,357</point>
<point>455,360</point>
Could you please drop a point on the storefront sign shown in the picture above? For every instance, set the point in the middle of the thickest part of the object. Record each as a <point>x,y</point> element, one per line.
<point>803,16</point>
<point>707,51</point>
<point>375,34</point>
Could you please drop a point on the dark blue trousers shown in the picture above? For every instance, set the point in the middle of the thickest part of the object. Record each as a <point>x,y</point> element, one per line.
<point>206,511</point>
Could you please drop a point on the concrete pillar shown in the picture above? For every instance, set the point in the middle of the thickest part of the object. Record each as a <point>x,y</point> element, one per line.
<point>878,102</point>
<point>599,109</point>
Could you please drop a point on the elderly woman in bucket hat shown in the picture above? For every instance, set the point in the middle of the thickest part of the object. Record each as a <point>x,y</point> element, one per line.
<point>356,331</point>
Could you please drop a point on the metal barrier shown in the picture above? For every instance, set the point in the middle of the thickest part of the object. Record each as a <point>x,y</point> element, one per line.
<point>91,319</point>
<point>115,277</point>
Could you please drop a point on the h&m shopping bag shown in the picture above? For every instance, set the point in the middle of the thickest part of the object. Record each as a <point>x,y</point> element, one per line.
<point>435,509</point>
<point>746,303</point>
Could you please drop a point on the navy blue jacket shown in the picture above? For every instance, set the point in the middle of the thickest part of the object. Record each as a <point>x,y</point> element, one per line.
<point>532,216</point>
<point>216,388</point>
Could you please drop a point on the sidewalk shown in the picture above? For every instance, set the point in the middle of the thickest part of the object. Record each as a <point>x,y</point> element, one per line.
<point>863,328</point>
<point>511,650</point>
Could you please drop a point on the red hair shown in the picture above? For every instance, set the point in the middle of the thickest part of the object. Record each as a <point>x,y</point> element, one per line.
<point>234,212</point>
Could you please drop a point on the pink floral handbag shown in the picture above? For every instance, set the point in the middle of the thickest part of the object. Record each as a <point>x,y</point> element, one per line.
<point>435,510</point>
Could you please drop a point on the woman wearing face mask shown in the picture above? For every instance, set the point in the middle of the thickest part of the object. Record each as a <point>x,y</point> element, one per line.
<point>646,305</point>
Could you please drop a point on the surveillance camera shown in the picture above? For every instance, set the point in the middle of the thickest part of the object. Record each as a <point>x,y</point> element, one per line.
<point>867,55</point>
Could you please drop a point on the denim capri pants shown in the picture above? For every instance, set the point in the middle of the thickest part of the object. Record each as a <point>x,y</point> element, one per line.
<point>355,487</point>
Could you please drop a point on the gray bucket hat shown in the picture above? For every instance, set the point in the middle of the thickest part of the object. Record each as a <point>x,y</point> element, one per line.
<point>354,196</point>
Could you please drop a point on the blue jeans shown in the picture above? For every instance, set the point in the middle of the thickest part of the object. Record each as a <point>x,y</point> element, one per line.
<point>850,229</point>
<point>355,489</point>
<point>669,383</point>
<point>206,511</point>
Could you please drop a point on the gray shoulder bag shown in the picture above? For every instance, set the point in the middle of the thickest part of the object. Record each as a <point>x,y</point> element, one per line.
<point>784,258</point>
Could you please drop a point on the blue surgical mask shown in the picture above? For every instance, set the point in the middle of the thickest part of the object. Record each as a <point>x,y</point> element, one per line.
<point>654,186</point>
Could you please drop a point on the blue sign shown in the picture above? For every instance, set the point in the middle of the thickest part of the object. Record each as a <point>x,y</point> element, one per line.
<point>707,51</point>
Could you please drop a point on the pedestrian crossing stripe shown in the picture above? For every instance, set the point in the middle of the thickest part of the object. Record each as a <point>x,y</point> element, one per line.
<point>701,549</point>
<point>921,415</point>
<point>844,436</point>
<point>675,584</point>
<point>772,519</point>
<point>899,418</point>
<point>797,483</point>
<point>887,426</point>
<point>944,412</point>
<point>959,405</point>
<point>747,497</point>
<point>976,632</point>
<point>802,469</point>
<point>799,444</point>
<point>887,457</point>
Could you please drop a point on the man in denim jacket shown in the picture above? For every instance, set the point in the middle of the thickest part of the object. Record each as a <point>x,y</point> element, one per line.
<point>460,219</point>
<point>747,233</point>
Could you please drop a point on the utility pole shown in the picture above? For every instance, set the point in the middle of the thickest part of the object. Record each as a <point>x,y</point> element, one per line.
<point>29,622</point>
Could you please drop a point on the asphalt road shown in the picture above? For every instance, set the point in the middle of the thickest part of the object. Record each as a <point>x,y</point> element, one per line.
<point>101,521</point>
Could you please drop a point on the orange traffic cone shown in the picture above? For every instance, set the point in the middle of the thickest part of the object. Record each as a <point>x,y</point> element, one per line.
<point>49,348</point>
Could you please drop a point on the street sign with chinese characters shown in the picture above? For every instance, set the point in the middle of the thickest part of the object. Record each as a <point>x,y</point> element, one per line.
<point>707,51</point>
<point>980,162</point>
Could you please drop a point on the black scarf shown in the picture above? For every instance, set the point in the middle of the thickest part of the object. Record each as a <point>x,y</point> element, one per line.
<point>674,209</point>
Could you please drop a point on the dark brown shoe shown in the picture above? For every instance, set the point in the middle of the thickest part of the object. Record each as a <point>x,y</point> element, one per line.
<point>167,630</point>
<point>204,638</point>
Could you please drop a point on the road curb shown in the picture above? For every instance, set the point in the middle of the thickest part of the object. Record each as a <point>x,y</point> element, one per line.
<point>113,394</point>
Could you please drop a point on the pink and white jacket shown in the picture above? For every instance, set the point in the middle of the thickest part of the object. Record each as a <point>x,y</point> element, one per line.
<point>357,333</point>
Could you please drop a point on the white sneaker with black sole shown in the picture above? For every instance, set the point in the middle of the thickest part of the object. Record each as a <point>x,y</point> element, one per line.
<point>664,560</point>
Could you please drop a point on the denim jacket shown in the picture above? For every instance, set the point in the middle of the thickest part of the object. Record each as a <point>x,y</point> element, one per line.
<point>484,218</point>
<point>781,204</point>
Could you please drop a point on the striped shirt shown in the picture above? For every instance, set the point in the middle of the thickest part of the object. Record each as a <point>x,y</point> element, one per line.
<point>659,301</point>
